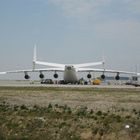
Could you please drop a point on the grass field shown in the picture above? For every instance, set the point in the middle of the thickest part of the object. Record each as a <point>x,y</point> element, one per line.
<point>69,113</point>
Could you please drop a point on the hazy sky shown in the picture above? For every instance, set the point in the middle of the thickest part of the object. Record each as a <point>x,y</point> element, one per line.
<point>70,31</point>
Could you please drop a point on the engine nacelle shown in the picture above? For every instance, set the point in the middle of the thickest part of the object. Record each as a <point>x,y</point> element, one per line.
<point>89,76</point>
<point>27,76</point>
<point>41,76</point>
<point>103,76</point>
<point>117,77</point>
<point>55,75</point>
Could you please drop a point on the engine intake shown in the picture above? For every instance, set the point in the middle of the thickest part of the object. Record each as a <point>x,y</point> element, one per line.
<point>55,75</point>
<point>27,76</point>
<point>41,76</point>
<point>89,76</point>
<point>117,77</point>
<point>103,76</point>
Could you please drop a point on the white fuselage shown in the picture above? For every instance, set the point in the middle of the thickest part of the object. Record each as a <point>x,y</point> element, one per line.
<point>70,74</point>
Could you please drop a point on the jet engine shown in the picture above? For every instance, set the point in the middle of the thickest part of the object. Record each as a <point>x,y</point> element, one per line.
<point>55,75</point>
<point>27,76</point>
<point>41,75</point>
<point>117,77</point>
<point>103,76</point>
<point>89,76</point>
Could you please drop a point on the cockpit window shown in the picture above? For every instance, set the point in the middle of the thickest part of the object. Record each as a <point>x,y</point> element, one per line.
<point>69,67</point>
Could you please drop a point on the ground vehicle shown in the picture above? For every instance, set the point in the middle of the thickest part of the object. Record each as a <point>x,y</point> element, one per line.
<point>96,82</point>
<point>134,80</point>
<point>47,81</point>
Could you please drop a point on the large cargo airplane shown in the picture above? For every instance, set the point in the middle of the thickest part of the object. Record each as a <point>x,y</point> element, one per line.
<point>69,70</point>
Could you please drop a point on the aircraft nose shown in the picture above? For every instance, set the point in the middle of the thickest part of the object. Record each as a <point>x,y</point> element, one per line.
<point>68,67</point>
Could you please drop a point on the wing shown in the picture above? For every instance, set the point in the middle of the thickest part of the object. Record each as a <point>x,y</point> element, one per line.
<point>106,71</point>
<point>35,70</point>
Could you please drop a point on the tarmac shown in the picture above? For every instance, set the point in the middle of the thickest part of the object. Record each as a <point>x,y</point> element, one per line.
<point>23,83</point>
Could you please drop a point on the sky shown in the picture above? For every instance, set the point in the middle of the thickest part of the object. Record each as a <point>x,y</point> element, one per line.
<point>70,31</point>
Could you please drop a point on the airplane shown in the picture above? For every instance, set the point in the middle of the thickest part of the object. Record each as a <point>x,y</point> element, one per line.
<point>69,70</point>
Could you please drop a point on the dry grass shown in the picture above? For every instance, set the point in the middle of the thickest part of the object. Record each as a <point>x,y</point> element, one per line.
<point>69,113</point>
<point>91,97</point>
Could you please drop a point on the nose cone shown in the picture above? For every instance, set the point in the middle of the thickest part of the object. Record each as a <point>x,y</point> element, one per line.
<point>68,67</point>
<point>70,74</point>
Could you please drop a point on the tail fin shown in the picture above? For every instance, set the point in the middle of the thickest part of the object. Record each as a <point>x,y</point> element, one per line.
<point>103,59</point>
<point>34,57</point>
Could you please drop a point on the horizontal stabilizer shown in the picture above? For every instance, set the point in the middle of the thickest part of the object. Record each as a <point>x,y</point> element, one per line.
<point>50,64</point>
<point>2,72</point>
<point>89,64</point>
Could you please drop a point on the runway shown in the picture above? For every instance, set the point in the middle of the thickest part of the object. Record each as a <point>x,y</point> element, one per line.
<point>23,83</point>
